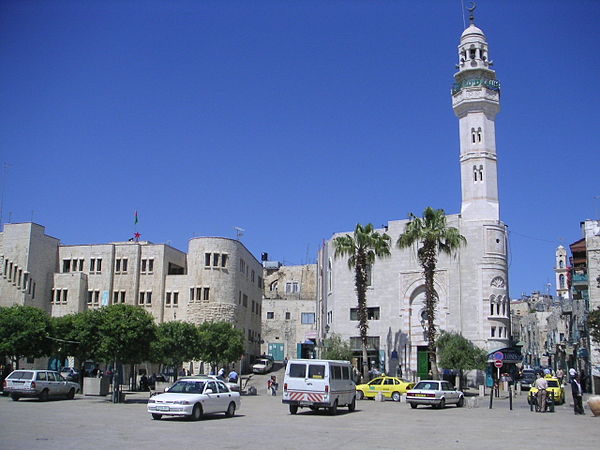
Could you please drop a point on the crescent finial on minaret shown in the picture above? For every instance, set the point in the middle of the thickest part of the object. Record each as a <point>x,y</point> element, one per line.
<point>471,8</point>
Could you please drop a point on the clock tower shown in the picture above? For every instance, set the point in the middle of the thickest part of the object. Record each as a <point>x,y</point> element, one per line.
<point>476,101</point>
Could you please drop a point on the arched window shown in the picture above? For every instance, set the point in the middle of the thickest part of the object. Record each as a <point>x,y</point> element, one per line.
<point>561,281</point>
<point>497,309</point>
<point>475,173</point>
<point>479,134</point>
<point>273,286</point>
<point>561,264</point>
<point>504,307</point>
<point>473,135</point>
<point>480,173</point>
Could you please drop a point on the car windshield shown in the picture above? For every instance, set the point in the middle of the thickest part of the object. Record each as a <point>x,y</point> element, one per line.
<point>427,386</point>
<point>262,362</point>
<point>187,387</point>
<point>21,375</point>
<point>552,383</point>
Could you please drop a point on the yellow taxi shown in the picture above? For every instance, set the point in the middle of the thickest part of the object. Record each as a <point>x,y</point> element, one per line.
<point>554,389</point>
<point>390,387</point>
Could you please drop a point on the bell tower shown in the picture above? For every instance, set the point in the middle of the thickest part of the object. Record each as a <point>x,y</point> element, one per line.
<point>476,101</point>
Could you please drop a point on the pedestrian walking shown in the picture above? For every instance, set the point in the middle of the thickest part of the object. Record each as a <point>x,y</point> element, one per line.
<point>272,385</point>
<point>542,385</point>
<point>577,395</point>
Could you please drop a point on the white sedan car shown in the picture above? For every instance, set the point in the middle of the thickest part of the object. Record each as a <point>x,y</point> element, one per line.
<point>435,393</point>
<point>193,397</point>
<point>263,365</point>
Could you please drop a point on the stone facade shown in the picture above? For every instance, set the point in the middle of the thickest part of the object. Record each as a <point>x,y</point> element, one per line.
<point>289,318</point>
<point>218,279</point>
<point>472,284</point>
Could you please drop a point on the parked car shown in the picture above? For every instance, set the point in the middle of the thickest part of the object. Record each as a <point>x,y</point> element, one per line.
<point>193,397</point>
<point>435,393</point>
<point>527,379</point>
<point>390,387</point>
<point>70,374</point>
<point>554,389</point>
<point>42,384</point>
<point>263,365</point>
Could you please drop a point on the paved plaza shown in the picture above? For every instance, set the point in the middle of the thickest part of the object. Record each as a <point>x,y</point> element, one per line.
<point>264,422</point>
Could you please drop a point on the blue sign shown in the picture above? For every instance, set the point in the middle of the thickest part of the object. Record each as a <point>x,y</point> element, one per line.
<point>498,356</point>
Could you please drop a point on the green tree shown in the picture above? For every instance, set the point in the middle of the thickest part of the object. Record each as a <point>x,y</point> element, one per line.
<point>432,236</point>
<point>458,353</point>
<point>362,249</point>
<point>24,332</point>
<point>175,343</point>
<point>78,335</point>
<point>126,335</point>
<point>593,323</point>
<point>220,343</point>
<point>336,348</point>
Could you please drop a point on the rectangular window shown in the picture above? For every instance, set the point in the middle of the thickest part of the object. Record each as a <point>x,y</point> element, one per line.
<point>148,298</point>
<point>175,299</point>
<point>117,265</point>
<point>297,370</point>
<point>124,265</point>
<point>270,314</point>
<point>66,265</point>
<point>372,313</point>
<point>115,297</point>
<point>252,276</point>
<point>92,265</point>
<point>150,266</point>
<point>240,298</point>
<point>336,372</point>
<point>288,316</point>
<point>307,318</point>
<point>198,294</point>
<point>144,261</point>
<point>292,287</point>
<point>122,296</point>
<point>96,297</point>
<point>95,265</point>
<point>81,265</point>
<point>206,294</point>
<point>192,294</point>
<point>168,299</point>
<point>216,259</point>
<point>245,300</point>
<point>372,343</point>
<point>207,259</point>
<point>316,371</point>
<point>142,298</point>
<point>224,257</point>
<point>260,282</point>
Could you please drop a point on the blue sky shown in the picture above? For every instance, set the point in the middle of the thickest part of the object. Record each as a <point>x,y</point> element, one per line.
<point>291,119</point>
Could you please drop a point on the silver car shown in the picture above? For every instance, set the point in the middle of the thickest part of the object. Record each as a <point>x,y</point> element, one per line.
<point>435,393</point>
<point>41,384</point>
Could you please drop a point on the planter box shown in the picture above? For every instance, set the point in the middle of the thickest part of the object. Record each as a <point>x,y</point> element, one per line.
<point>96,386</point>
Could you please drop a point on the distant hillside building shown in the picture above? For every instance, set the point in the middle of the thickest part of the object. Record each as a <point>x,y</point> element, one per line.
<point>218,279</point>
<point>289,319</point>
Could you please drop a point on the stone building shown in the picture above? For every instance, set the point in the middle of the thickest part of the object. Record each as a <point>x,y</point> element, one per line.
<point>289,322</point>
<point>218,279</point>
<point>472,285</point>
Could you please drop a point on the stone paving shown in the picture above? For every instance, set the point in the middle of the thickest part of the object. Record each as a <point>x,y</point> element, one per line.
<point>264,422</point>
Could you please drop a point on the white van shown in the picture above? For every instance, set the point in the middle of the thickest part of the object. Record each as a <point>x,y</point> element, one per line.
<point>319,383</point>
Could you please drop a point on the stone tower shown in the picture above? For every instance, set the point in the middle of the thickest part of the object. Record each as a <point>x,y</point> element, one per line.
<point>476,101</point>
<point>560,269</point>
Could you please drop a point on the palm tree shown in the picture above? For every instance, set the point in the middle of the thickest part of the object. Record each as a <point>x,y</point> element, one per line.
<point>362,249</point>
<point>434,236</point>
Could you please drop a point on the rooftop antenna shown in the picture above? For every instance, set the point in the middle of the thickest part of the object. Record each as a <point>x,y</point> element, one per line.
<point>239,232</point>
<point>471,8</point>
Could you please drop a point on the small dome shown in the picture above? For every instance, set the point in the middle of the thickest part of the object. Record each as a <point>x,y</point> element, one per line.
<point>472,31</point>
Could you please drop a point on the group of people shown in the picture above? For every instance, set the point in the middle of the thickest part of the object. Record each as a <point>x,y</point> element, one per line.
<point>577,391</point>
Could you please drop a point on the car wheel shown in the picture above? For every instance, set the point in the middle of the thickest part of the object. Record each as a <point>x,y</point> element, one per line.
<point>293,409</point>
<point>333,409</point>
<point>197,412</point>
<point>442,404</point>
<point>15,397</point>
<point>71,394</point>
<point>461,402</point>
<point>360,395</point>
<point>230,410</point>
<point>413,405</point>
<point>396,396</point>
<point>156,416</point>
<point>44,396</point>
<point>352,405</point>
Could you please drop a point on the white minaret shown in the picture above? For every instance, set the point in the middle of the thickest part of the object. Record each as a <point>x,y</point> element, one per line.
<point>562,288</point>
<point>476,101</point>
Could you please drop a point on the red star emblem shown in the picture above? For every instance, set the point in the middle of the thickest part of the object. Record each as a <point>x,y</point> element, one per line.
<point>137,236</point>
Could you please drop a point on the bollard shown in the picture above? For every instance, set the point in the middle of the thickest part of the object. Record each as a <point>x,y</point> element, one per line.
<point>491,397</point>
<point>510,397</point>
<point>482,390</point>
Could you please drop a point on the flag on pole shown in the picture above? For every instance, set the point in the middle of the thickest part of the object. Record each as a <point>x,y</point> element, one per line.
<point>136,218</point>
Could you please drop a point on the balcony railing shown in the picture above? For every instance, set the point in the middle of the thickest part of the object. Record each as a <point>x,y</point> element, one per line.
<point>580,278</point>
